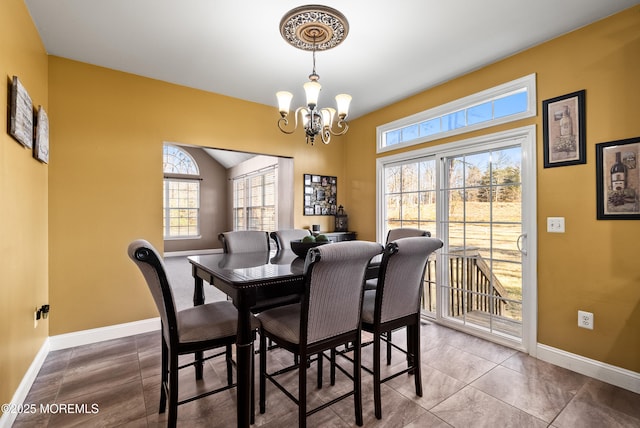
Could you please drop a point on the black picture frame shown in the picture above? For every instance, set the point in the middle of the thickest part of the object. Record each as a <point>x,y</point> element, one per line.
<point>320,194</point>
<point>564,130</point>
<point>620,201</point>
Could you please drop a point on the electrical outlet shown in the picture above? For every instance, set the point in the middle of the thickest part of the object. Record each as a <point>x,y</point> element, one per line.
<point>555,224</point>
<point>585,320</point>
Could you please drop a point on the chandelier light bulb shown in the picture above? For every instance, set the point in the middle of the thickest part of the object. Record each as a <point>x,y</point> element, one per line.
<point>343,101</point>
<point>312,90</point>
<point>284,101</point>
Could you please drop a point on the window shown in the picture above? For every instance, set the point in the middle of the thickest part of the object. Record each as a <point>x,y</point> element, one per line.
<point>181,194</point>
<point>505,103</point>
<point>254,200</point>
<point>410,194</point>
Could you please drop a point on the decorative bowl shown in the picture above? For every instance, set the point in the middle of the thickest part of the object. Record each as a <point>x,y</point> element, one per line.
<point>301,248</point>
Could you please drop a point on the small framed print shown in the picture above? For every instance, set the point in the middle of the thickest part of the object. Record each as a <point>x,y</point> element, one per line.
<point>564,136</point>
<point>618,180</point>
<point>41,147</point>
<point>21,114</point>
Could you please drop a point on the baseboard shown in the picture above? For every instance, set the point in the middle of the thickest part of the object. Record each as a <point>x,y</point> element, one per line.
<point>85,337</point>
<point>192,252</point>
<point>613,375</point>
<point>8,418</point>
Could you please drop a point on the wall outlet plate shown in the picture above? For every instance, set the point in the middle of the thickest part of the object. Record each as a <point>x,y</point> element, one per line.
<point>585,319</point>
<point>555,224</point>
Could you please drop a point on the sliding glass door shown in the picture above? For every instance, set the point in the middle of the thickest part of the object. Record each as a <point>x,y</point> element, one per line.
<point>478,196</point>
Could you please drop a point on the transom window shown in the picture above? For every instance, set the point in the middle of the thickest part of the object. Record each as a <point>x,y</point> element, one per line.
<point>505,103</point>
<point>181,194</point>
<point>254,200</point>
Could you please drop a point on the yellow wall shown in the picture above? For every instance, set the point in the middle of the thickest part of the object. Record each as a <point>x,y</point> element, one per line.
<point>107,130</point>
<point>595,265</point>
<point>104,186</point>
<point>23,206</point>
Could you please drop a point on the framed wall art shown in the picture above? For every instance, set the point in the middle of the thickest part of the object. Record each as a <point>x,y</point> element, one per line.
<point>618,180</point>
<point>564,128</point>
<point>21,114</point>
<point>41,146</point>
<point>320,194</point>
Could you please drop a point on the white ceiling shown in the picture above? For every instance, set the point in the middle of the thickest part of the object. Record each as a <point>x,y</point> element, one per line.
<point>233,47</point>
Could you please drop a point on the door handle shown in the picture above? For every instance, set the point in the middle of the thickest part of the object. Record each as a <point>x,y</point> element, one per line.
<point>518,243</point>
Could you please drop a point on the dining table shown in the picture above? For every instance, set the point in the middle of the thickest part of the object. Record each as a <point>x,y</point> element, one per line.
<point>247,278</point>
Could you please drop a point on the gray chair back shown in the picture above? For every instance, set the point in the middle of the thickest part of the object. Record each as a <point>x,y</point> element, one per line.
<point>401,276</point>
<point>150,263</point>
<point>244,241</point>
<point>405,232</point>
<point>334,280</point>
<point>284,237</point>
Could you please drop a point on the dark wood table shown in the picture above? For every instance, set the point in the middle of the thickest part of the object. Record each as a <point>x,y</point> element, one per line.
<point>246,279</point>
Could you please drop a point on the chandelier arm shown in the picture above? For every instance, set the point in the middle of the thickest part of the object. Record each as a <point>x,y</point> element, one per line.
<point>343,128</point>
<point>326,134</point>
<point>283,122</point>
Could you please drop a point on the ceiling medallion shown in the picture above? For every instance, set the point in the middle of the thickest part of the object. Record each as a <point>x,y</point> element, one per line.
<point>314,27</point>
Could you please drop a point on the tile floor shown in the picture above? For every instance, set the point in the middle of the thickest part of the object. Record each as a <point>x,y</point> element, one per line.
<point>467,382</point>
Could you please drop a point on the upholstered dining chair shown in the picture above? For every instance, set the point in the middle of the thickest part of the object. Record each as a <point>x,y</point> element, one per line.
<point>405,232</point>
<point>370,284</point>
<point>392,235</point>
<point>395,303</point>
<point>244,241</point>
<point>327,316</point>
<point>284,237</point>
<point>189,331</point>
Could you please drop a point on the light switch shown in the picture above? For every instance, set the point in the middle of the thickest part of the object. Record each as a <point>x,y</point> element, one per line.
<point>555,224</point>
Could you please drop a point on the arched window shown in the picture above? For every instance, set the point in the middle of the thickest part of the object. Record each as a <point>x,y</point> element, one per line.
<point>177,161</point>
<point>181,194</point>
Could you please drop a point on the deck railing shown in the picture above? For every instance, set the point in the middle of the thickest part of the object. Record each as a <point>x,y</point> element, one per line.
<point>472,285</point>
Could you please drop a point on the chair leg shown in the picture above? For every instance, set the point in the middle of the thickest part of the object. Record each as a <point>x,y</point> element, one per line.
<point>164,381</point>
<point>229,357</point>
<point>333,367</point>
<point>263,372</point>
<point>199,366</point>
<point>320,365</point>
<point>410,347</point>
<point>357,381</point>
<point>377,402</point>
<point>252,419</point>
<point>417,372</point>
<point>173,391</point>
<point>389,348</point>
<point>302,391</point>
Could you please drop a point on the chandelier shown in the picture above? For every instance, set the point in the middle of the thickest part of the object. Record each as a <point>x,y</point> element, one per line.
<point>313,28</point>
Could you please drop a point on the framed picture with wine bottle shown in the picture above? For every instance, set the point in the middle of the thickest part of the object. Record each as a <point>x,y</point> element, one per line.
<point>618,180</point>
<point>563,124</point>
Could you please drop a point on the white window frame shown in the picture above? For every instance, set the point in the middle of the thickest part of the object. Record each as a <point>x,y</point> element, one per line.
<point>167,209</point>
<point>178,177</point>
<point>526,84</point>
<point>247,196</point>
